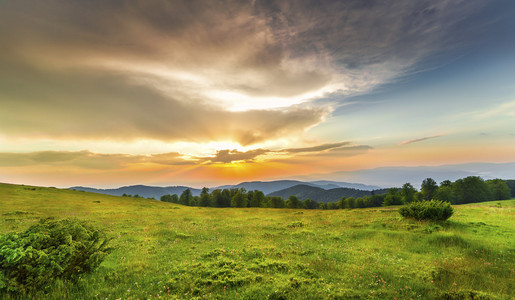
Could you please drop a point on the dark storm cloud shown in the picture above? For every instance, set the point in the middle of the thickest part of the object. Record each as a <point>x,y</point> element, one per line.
<point>148,69</point>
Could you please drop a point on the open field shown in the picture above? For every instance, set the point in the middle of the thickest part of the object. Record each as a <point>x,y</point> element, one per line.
<point>172,251</point>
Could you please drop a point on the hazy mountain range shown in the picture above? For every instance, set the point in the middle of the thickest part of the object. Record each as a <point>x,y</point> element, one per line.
<point>266,187</point>
<point>321,190</point>
<point>397,176</point>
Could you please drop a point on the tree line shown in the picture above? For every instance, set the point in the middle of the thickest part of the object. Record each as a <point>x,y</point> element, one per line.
<point>467,190</point>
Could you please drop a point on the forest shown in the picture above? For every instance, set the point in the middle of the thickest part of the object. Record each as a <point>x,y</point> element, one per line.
<point>471,189</point>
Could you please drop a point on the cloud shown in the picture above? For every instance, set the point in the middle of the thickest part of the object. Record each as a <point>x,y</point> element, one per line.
<point>339,152</point>
<point>316,148</point>
<point>84,105</point>
<point>205,70</point>
<point>183,43</point>
<point>335,149</point>
<point>351,148</point>
<point>171,159</point>
<point>228,156</point>
<point>406,142</point>
<point>367,43</point>
<point>88,160</point>
<point>141,70</point>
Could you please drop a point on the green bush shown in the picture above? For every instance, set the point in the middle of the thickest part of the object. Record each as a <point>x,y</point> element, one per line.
<point>50,249</point>
<point>433,210</point>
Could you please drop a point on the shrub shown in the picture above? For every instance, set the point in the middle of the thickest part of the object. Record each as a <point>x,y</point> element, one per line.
<point>50,249</point>
<point>427,210</point>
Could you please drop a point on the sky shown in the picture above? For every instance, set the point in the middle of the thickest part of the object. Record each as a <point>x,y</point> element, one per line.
<point>203,93</point>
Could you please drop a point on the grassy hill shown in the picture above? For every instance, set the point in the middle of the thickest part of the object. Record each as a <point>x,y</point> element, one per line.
<point>172,251</point>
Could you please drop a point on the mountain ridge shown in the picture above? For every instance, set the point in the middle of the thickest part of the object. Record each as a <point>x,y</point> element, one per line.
<point>318,194</point>
<point>381,177</point>
<point>266,187</point>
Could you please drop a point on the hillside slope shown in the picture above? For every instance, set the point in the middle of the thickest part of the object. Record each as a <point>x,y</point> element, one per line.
<point>165,250</point>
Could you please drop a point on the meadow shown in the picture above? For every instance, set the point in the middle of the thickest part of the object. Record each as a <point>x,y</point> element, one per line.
<point>172,251</point>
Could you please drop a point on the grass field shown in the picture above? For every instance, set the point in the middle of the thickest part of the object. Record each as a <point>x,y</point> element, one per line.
<point>172,251</point>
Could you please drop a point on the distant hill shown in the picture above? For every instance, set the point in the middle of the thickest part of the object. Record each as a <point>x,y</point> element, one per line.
<point>266,187</point>
<point>142,190</point>
<point>397,176</point>
<point>303,192</point>
<point>327,184</point>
